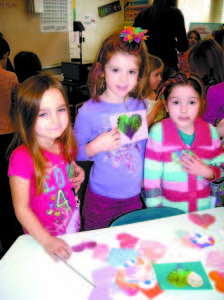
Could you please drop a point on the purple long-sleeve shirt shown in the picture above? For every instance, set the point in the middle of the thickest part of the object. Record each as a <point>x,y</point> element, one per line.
<point>118,173</point>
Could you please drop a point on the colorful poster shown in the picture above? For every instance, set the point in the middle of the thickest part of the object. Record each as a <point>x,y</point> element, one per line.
<point>205,29</point>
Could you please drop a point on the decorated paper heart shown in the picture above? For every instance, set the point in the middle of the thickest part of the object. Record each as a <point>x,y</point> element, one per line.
<point>203,220</point>
<point>129,125</point>
<point>152,250</point>
<point>176,155</point>
<point>127,240</point>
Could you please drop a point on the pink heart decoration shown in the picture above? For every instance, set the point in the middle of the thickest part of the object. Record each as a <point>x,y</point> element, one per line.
<point>215,259</point>
<point>152,250</point>
<point>203,220</point>
<point>127,240</point>
<point>101,252</point>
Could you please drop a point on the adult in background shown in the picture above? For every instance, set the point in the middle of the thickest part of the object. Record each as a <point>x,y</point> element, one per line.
<point>206,60</point>
<point>8,93</point>
<point>26,64</point>
<point>193,37</point>
<point>9,66</point>
<point>219,37</point>
<point>166,31</point>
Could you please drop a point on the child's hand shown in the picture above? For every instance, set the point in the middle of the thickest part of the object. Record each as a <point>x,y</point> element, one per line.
<point>195,166</point>
<point>57,246</point>
<point>79,176</point>
<point>108,141</point>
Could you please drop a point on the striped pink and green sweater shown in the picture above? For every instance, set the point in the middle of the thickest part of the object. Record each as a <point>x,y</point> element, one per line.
<point>165,182</point>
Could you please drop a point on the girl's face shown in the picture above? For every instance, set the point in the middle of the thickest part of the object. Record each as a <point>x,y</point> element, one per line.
<point>192,41</point>
<point>183,106</point>
<point>121,75</point>
<point>52,119</point>
<point>155,78</point>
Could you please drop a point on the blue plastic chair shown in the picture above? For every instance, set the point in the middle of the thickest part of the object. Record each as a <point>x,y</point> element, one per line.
<point>147,214</point>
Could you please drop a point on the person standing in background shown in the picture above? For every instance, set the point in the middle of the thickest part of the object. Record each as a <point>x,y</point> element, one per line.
<point>156,110</point>
<point>206,60</point>
<point>26,64</point>
<point>193,38</point>
<point>8,93</point>
<point>9,66</point>
<point>166,31</point>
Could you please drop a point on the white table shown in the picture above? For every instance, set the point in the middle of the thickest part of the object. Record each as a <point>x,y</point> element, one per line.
<point>28,273</point>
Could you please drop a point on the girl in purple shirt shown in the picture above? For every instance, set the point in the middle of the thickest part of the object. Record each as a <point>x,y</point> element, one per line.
<point>118,83</point>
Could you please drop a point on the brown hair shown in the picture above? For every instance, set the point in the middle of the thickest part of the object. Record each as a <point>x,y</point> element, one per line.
<point>112,45</point>
<point>28,104</point>
<point>154,63</point>
<point>192,80</point>
<point>206,60</point>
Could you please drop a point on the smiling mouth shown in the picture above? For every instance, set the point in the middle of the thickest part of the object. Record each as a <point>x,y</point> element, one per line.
<point>123,88</point>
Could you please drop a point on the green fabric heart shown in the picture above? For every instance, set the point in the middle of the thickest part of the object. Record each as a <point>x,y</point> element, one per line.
<point>129,125</point>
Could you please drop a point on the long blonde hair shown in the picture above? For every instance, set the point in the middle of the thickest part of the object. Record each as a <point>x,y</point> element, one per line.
<point>26,112</point>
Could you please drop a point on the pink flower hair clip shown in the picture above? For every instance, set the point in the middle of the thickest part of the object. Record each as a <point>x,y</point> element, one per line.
<point>130,34</point>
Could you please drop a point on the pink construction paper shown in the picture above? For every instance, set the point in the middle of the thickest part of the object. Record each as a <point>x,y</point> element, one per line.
<point>215,259</point>
<point>101,252</point>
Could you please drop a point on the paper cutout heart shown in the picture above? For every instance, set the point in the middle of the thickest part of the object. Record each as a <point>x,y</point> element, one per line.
<point>152,250</point>
<point>204,220</point>
<point>86,245</point>
<point>129,125</point>
<point>176,155</point>
<point>101,252</point>
<point>215,259</point>
<point>218,278</point>
<point>127,240</point>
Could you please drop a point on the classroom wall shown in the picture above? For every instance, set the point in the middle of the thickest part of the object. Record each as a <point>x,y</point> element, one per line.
<point>22,31</point>
<point>104,26</point>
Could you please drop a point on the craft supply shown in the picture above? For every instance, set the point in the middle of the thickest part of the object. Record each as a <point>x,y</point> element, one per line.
<point>218,278</point>
<point>85,245</point>
<point>215,259</point>
<point>182,276</point>
<point>132,126</point>
<point>127,240</point>
<point>201,240</point>
<point>204,220</point>
<point>68,265</point>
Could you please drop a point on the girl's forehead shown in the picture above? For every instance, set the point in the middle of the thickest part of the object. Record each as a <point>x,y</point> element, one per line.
<point>183,89</point>
<point>52,97</point>
<point>119,56</point>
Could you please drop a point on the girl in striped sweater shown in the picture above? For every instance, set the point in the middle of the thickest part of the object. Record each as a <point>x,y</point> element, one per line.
<point>183,152</point>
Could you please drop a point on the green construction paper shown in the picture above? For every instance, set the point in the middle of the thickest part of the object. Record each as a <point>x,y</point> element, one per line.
<point>164,270</point>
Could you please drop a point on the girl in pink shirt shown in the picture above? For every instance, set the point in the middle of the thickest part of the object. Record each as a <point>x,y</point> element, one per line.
<point>42,170</point>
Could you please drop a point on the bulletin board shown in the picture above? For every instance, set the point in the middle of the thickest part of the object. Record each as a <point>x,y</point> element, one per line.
<point>21,29</point>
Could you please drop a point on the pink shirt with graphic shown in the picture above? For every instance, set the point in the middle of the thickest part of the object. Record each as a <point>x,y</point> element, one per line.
<point>57,207</point>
